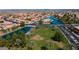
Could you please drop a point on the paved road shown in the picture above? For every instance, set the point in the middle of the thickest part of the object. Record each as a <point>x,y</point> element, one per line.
<point>74,40</point>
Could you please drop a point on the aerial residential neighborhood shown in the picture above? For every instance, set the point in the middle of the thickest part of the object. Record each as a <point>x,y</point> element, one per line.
<point>39,29</point>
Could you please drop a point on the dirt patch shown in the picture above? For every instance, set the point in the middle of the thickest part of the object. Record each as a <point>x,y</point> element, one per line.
<point>37,37</point>
<point>1,33</point>
<point>59,44</point>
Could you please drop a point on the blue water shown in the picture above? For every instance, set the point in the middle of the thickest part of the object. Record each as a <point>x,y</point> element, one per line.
<point>24,30</point>
<point>55,21</point>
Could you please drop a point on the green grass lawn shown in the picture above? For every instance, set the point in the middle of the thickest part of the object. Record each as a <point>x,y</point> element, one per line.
<point>46,34</point>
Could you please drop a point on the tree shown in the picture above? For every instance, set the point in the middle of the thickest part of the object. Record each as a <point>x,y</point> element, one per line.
<point>44,48</point>
<point>30,44</point>
<point>69,18</point>
<point>22,24</point>
<point>2,42</point>
<point>8,37</point>
<point>29,48</point>
<point>60,49</point>
<point>40,22</point>
<point>14,37</point>
<point>14,27</point>
<point>57,36</point>
<point>66,18</point>
<point>22,38</point>
<point>21,35</point>
<point>8,41</point>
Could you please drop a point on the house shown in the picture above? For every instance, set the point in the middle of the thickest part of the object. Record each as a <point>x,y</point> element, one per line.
<point>46,21</point>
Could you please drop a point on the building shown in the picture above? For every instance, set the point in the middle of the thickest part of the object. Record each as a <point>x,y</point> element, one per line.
<point>46,21</point>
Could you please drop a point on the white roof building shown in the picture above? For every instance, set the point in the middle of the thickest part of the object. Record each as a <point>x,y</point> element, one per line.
<point>46,21</point>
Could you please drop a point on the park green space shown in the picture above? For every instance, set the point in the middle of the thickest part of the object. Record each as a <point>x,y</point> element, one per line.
<point>46,37</point>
